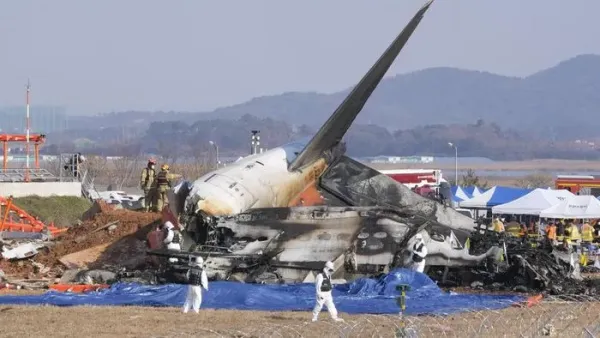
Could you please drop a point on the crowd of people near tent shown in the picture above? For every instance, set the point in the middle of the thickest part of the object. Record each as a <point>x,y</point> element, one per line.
<point>567,221</point>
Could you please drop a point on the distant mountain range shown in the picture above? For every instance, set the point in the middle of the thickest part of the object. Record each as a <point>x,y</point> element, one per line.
<point>416,113</point>
<point>563,100</point>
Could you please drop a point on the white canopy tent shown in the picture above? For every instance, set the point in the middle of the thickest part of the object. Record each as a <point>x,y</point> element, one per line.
<point>574,207</point>
<point>476,192</point>
<point>534,202</point>
<point>461,194</point>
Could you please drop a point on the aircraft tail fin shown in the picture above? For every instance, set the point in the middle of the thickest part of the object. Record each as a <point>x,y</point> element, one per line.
<point>332,132</point>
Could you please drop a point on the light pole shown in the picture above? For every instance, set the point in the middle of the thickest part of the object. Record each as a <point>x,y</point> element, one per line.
<point>216,152</point>
<point>455,162</point>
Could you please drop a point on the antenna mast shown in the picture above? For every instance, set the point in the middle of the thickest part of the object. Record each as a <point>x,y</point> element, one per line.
<point>27,134</point>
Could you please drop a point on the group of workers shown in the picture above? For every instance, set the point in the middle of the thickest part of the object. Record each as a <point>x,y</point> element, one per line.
<point>197,279</point>
<point>155,186</point>
<point>567,232</point>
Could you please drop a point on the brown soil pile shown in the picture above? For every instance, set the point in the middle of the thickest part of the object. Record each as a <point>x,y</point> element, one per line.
<point>127,241</point>
<point>17,269</point>
<point>83,236</point>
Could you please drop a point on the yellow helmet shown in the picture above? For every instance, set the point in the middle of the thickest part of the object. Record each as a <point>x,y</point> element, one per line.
<point>164,167</point>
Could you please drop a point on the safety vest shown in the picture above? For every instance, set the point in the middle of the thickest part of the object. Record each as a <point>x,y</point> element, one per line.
<point>326,285</point>
<point>195,276</point>
<point>551,232</point>
<point>162,179</point>
<point>513,229</point>
<point>417,253</point>
<point>587,233</point>
<point>573,233</point>
<point>498,226</point>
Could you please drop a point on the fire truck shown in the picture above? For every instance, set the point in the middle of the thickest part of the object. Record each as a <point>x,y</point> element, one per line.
<point>579,184</point>
<point>425,182</point>
<point>416,178</point>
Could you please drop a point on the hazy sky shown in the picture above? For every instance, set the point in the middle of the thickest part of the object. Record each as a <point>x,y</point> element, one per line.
<point>196,55</point>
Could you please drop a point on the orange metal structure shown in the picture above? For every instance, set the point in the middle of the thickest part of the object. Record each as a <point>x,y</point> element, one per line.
<point>575,183</point>
<point>16,219</point>
<point>37,139</point>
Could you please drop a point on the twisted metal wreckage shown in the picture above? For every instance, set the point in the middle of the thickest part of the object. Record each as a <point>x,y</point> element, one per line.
<point>280,215</point>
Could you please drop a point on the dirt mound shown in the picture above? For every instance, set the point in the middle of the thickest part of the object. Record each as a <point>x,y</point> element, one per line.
<point>20,269</point>
<point>89,234</point>
<point>125,241</point>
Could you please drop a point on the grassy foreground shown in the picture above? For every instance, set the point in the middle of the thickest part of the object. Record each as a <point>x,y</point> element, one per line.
<point>566,320</point>
<point>64,211</point>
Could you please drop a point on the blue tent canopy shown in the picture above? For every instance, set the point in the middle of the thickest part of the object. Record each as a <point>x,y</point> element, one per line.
<point>495,196</point>
<point>459,194</point>
<point>361,296</point>
<point>473,190</point>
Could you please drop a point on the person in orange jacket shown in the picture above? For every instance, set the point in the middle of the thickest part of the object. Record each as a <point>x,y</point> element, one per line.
<point>551,233</point>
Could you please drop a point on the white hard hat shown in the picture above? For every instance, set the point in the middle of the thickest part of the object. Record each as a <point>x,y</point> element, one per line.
<point>329,265</point>
<point>199,260</point>
<point>169,225</point>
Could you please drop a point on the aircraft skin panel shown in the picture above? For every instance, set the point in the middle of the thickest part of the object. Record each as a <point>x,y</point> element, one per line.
<point>263,178</point>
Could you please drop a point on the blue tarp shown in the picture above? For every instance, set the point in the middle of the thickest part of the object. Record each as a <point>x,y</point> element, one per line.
<point>361,296</point>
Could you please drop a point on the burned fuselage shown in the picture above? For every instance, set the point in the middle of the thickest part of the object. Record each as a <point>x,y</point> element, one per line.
<point>365,222</point>
<point>292,242</point>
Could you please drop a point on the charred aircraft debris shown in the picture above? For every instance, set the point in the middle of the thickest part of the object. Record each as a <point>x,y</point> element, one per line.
<point>525,268</point>
<point>280,215</point>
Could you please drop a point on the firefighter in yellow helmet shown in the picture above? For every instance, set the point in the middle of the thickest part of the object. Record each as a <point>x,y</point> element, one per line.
<point>146,180</point>
<point>162,184</point>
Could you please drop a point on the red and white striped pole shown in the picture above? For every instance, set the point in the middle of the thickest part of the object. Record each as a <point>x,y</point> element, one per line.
<point>27,137</point>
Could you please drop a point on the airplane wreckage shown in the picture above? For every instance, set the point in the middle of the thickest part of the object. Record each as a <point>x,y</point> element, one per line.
<point>279,216</point>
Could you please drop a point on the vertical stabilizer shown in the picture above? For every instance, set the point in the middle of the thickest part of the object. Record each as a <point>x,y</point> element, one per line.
<point>332,132</point>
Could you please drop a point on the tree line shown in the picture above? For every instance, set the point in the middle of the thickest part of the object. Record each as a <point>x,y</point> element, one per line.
<point>176,139</point>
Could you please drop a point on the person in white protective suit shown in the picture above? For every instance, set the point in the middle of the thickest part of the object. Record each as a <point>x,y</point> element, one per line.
<point>419,252</point>
<point>323,288</point>
<point>172,239</point>
<point>196,278</point>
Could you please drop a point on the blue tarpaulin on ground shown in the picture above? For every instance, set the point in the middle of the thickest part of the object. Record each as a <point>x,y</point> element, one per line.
<point>361,296</point>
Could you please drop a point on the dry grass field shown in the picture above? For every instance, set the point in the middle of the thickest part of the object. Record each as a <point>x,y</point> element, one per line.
<point>562,319</point>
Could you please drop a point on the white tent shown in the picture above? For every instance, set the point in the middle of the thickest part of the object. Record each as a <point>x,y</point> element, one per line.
<point>493,197</point>
<point>476,192</point>
<point>461,194</point>
<point>574,207</point>
<point>534,202</point>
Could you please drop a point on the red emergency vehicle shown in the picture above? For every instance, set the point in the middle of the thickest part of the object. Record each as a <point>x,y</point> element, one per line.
<point>416,178</point>
<point>579,184</point>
